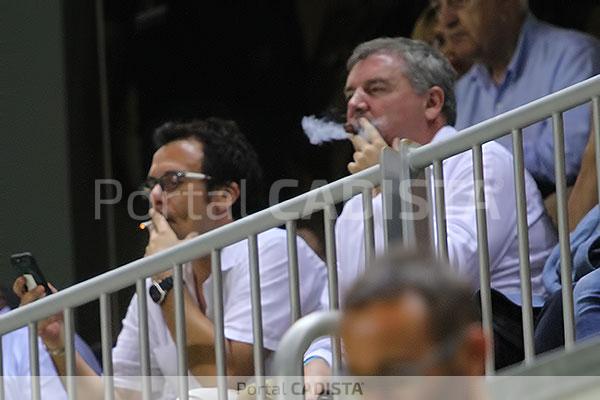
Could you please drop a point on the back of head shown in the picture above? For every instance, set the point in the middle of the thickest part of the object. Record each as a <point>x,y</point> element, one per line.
<point>425,66</point>
<point>448,299</point>
<point>228,157</point>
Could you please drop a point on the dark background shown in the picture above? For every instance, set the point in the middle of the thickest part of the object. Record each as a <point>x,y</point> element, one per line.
<point>264,64</point>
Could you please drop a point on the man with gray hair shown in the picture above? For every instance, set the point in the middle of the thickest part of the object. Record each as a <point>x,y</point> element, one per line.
<point>402,89</point>
<point>520,59</point>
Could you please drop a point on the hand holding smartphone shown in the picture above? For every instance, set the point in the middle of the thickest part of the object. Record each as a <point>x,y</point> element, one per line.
<point>26,266</point>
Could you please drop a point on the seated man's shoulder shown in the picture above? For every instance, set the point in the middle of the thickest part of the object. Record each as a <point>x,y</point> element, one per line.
<point>561,41</point>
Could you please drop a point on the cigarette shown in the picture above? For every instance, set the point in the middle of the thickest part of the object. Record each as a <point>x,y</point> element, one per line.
<point>350,128</point>
<point>354,129</point>
<point>145,225</point>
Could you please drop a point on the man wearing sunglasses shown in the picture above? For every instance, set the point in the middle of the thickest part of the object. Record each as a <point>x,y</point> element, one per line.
<point>196,184</point>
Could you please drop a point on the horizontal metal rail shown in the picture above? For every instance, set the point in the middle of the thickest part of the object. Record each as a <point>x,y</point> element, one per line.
<point>119,278</point>
<point>503,124</point>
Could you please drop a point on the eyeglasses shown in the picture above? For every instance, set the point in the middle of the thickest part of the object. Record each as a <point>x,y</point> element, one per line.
<point>453,4</point>
<point>171,179</point>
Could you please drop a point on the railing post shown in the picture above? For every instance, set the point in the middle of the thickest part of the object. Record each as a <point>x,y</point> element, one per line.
<point>180,331</point>
<point>523,237</point>
<point>329,217</point>
<point>484,254</point>
<point>391,164</point>
<point>413,192</point>
<point>566,261</point>
<point>34,361</point>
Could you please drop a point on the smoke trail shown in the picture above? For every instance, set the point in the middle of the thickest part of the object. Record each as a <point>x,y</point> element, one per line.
<point>320,131</point>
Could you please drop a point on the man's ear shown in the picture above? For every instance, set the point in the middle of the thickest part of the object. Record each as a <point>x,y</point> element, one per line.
<point>434,102</point>
<point>221,199</point>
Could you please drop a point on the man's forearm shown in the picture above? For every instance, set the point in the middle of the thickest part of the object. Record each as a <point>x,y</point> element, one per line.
<point>200,343</point>
<point>89,386</point>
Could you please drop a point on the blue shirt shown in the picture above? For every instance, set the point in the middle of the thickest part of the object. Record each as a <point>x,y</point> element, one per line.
<point>585,251</point>
<point>17,381</point>
<point>545,60</point>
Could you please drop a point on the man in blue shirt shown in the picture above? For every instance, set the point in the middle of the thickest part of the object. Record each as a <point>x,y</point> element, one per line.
<point>520,59</point>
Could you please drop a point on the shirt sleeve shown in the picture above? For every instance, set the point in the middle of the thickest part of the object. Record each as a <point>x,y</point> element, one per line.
<point>126,353</point>
<point>320,348</point>
<point>274,291</point>
<point>461,211</point>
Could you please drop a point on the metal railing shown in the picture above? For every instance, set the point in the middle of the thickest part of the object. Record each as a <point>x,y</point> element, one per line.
<point>512,123</point>
<point>211,243</point>
<point>413,162</point>
<point>396,167</point>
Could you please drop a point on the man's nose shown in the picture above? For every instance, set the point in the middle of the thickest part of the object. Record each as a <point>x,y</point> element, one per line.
<point>156,197</point>
<point>357,104</point>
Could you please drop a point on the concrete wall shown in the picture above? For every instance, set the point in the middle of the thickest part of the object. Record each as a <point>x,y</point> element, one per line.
<point>35,205</point>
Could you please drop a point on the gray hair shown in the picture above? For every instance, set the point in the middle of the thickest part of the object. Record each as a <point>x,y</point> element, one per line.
<point>425,67</point>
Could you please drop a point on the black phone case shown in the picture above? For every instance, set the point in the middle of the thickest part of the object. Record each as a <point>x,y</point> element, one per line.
<point>25,264</point>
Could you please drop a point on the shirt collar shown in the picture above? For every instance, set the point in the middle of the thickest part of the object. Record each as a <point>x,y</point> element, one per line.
<point>446,132</point>
<point>523,44</point>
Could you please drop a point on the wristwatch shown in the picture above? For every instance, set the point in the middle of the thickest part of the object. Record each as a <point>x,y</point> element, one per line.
<point>159,290</point>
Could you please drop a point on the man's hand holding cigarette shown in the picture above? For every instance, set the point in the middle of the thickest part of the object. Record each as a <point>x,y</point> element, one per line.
<point>366,151</point>
<point>161,237</point>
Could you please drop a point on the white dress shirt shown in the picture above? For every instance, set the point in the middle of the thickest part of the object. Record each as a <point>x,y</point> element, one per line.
<point>461,225</point>
<point>273,261</point>
<point>15,358</point>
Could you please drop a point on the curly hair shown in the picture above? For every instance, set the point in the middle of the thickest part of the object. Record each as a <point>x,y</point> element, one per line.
<point>228,157</point>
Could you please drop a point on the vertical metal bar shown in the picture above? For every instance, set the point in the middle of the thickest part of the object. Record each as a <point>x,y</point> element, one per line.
<point>483,250</point>
<point>180,333</point>
<point>106,337</point>
<point>257,329</point>
<point>440,210</point>
<point>69,323</point>
<point>292,249</point>
<point>332,273</point>
<point>563,230</point>
<point>523,234</point>
<point>142,301</point>
<point>219,323</point>
<point>391,167</point>
<point>369,231</point>
<point>34,361</point>
<point>430,199</point>
<point>596,132</point>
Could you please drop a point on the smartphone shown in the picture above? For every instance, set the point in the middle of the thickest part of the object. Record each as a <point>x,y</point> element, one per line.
<point>26,265</point>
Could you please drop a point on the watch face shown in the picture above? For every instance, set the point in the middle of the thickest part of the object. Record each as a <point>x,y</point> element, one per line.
<point>154,293</point>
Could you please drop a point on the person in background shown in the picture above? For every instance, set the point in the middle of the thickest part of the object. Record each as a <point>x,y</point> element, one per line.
<point>520,59</point>
<point>15,359</point>
<point>457,47</point>
<point>410,315</point>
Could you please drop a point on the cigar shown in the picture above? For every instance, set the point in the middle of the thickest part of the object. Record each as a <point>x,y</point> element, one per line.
<point>350,128</point>
<point>146,225</point>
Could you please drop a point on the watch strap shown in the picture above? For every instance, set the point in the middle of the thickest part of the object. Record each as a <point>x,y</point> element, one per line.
<point>158,290</point>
